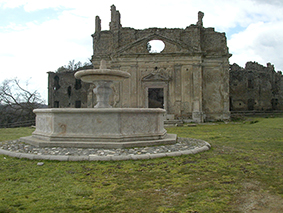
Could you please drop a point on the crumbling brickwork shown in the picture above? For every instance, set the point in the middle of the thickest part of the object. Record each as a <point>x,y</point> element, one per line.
<point>255,87</point>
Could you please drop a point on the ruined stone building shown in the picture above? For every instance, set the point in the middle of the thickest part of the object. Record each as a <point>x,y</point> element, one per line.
<point>66,91</point>
<point>189,77</point>
<point>255,87</point>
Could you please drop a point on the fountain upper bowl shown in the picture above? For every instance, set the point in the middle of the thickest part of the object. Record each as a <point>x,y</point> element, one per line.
<point>92,75</point>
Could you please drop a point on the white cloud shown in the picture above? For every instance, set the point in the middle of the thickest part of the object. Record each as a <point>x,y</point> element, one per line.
<point>272,2</point>
<point>36,49</point>
<point>260,42</point>
<point>32,5</point>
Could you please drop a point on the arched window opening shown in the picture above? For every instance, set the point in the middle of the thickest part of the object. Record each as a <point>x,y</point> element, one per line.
<point>155,46</point>
<point>78,104</point>
<point>250,84</point>
<point>69,91</point>
<point>251,103</point>
<point>56,83</point>
<point>56,104</point>
<point>274,103</point>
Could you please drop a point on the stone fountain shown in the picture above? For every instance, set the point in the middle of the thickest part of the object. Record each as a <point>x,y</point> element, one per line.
<point>102,78</point>
<point>101,126</point>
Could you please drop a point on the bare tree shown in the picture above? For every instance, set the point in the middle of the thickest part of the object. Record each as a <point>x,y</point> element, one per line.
<point>17,102</point>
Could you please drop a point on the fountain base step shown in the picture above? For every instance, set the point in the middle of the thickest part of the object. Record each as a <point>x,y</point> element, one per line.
<point>168,139</point>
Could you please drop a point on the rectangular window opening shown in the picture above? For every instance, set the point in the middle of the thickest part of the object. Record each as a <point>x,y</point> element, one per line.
<point>56,104</point>
<point>78,104</point>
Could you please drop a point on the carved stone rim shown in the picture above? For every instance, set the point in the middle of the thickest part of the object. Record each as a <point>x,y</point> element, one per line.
<point>98,73</point>
<point>99,110</point>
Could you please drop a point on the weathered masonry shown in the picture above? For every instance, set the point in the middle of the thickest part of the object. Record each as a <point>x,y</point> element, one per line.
<point>66,91</point>
<point>255,88</point>
<point>189,76</point>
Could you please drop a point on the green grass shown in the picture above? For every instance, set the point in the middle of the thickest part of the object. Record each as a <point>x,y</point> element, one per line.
<point>14,133</point>
<point>211,181</point>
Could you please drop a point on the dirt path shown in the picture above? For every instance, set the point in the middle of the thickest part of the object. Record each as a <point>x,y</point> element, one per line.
<point>256,200</point>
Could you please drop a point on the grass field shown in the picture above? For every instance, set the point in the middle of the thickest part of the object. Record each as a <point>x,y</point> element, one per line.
<point>241,173</point>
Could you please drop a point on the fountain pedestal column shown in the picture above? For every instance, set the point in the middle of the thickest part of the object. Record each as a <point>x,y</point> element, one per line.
<point>102,92</point>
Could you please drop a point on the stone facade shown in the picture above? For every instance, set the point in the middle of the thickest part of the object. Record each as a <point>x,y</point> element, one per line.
<point>255,87</point>
<point>189,77</point>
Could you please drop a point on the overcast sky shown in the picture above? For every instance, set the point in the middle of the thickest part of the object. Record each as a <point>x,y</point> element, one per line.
<point>37,36</point>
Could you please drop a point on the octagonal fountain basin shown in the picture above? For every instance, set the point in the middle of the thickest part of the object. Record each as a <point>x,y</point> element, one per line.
<point>100,128</point>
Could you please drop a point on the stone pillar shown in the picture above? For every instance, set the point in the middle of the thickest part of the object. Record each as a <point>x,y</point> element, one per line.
<point>200,17</point>
<point>197,113</point>
<point>226,98</point>
<point>177,81</point>
<point>102,91</point>
<point>115,23</point>
<point>97,24</point>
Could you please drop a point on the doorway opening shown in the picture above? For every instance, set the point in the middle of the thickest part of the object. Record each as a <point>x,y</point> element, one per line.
<point>251,103</point>
<point>156,98</point>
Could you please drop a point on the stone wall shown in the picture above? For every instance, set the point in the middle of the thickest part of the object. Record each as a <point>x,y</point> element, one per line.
<point>255,87</point>
<point>66,91</point>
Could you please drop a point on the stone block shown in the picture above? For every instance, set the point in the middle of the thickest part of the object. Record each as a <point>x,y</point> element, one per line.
<point>173,154</point>
<point>42,157</point>
<point>186,152</point>
<point>4,152</point>
<point>15,154</point>
<point>140,157</point>
<point>99,158</point>
<point>78,158</point>
<point>157,155</point>
<point>59,157</point>
<point>121,157</point>
<point>26,155</point>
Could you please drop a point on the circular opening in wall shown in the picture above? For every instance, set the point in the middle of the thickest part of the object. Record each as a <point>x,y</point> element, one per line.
<point>155,46</point>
